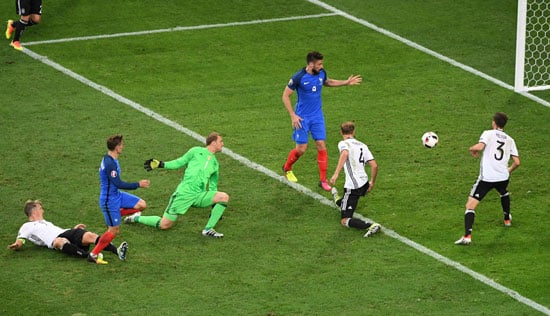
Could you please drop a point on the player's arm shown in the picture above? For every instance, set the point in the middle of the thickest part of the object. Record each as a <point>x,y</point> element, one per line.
<point>295,119</point>
<point>475,149</point>
<point>19,242</point>
<point>373,173</point>
<point>351,81</point>
<point>114,177</point>
<point>341,161</point>
<point>515,164</point>
<point>182,161</point>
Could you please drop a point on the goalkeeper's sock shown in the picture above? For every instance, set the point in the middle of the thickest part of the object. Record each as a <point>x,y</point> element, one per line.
<point>322,161</point>
<point>153,220</point>
<point>215,215</point>
<point>128,211</point>
<point>293,156</point>
<point>103,242</point>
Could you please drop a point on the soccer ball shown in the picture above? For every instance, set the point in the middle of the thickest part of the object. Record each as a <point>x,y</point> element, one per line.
<point>430,139</point>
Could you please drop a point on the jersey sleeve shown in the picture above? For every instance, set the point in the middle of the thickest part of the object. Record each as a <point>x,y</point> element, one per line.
<point>342,145</point>
<point>24,232</point>
<point>181,161</point>
<point>367,154</point>
<point>114,177</point>
<point>513,148</point>
<point>294,82</point>
<point>485,137</point>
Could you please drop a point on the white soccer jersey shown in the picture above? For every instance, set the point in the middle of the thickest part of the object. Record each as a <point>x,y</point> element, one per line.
<point>41,233</point>
<point>499,147</point>
<point>358,155</point>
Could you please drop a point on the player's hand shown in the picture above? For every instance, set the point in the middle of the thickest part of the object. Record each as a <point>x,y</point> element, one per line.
<point>371,186</point>
<point>144,183</point>
<point>16,245</point>
<point>151,164</point>
<point>354,79</point>
<point>80,226</point>
<point>296,121</point>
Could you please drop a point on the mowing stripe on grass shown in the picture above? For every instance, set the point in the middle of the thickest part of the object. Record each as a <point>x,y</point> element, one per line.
<point>314,16</point>
<point>427,51</point>
<point>247,162</point>
<point>180,28</point>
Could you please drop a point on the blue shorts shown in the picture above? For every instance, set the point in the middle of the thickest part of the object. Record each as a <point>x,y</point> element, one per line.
<point>111,209</point>
<point>315,126</point>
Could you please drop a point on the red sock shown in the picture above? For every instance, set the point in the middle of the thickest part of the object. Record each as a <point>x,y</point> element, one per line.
<point>128,211</point>
<point>293,156</point>
<point>103,242</point>
<point>322,161</point>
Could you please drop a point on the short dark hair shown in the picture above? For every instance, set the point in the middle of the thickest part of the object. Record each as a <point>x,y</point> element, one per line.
<point>113,141</point>
<point>500,119</point>
<point>347,128</point>
<point>212,137</point>
<point>30,205</point>
<point>314,56</point>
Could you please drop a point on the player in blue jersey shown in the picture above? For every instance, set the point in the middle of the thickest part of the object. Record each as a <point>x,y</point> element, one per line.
<point>111,198</point>
<point>307,117</point>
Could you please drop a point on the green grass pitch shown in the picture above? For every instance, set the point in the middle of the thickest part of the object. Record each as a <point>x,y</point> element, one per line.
<point>222,65</point>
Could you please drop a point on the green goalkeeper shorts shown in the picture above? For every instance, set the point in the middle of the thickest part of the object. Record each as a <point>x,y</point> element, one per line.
<point>181,202</point>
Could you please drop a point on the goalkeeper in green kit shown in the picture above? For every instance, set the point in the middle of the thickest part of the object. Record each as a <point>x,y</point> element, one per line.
<point>198,188</point>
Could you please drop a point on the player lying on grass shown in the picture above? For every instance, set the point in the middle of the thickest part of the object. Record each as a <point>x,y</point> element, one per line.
<point>75,241</point>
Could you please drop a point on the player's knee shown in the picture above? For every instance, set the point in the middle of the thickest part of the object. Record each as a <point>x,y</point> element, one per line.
<point>165,224</point>
<point>36,18</point>
<point>115,230</point>
<point>141,205</point>
<point>222,197</point>
<point>89,238</point>
<point>59,242</point>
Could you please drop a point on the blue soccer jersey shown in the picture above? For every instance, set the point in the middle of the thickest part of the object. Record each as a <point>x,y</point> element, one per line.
<point>308,90</point>
<point>110,196</point>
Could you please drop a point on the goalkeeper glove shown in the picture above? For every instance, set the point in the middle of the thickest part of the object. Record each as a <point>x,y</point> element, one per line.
<point>151,164</point>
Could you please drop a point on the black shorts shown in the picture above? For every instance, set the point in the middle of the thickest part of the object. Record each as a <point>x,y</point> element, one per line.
<point>481,188</point>
<point>28,7</point>
<point>74,236</point>
<point>350,200</point>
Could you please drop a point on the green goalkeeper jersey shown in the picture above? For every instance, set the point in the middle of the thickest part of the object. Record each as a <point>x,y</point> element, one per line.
<point>201,173</point>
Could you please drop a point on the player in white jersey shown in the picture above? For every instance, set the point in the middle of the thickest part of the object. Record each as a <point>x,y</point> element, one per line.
<point>353,157</point>
<point>75,241</point>
<point>497,147</point>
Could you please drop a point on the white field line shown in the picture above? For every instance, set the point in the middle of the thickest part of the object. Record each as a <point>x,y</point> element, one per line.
<point>427,51</point>
<point>245,161</point>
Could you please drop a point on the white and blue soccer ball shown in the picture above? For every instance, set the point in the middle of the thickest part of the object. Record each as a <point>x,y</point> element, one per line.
<point>430,139</point>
